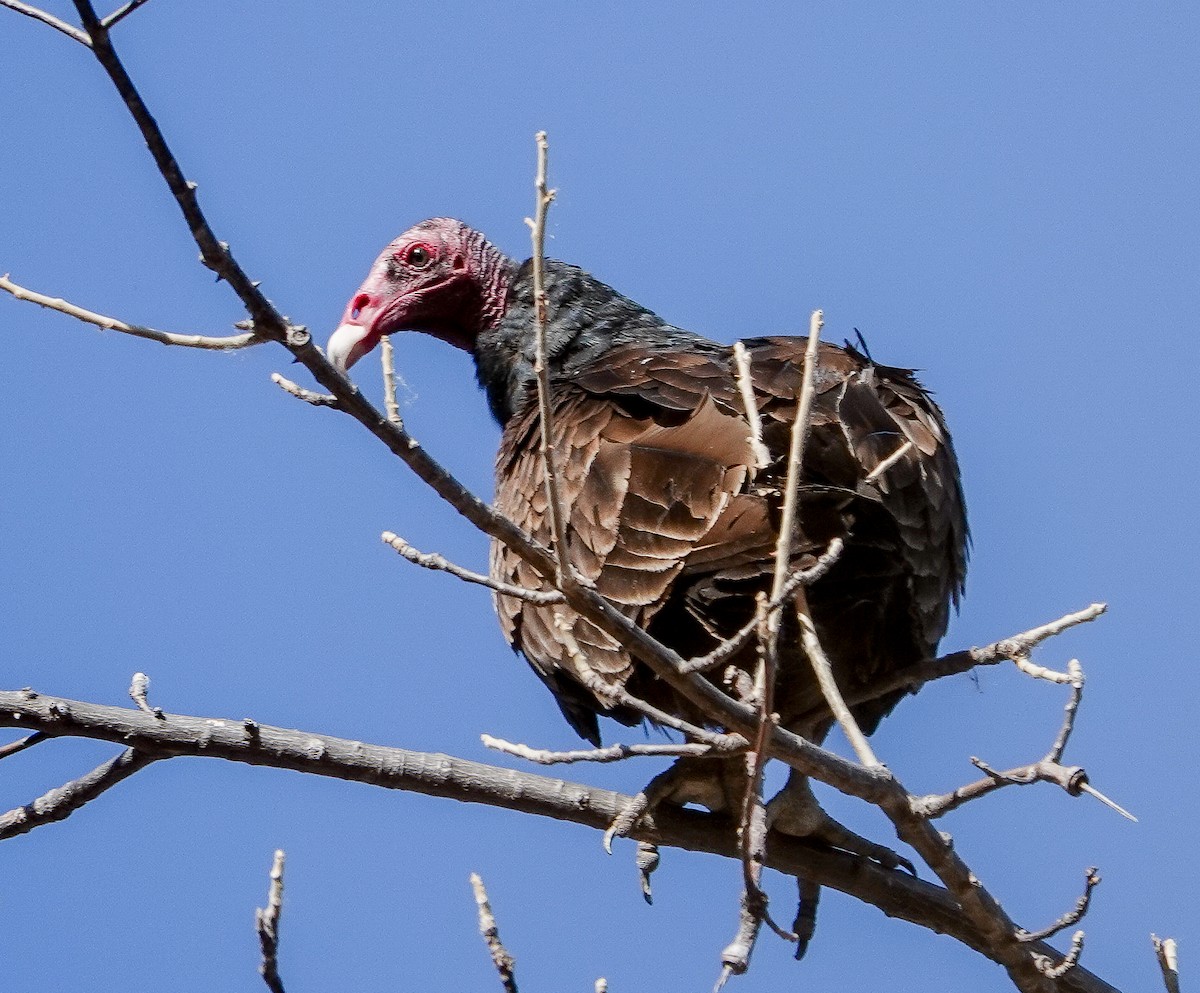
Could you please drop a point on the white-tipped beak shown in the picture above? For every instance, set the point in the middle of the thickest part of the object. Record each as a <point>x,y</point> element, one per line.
<point>347,345</point>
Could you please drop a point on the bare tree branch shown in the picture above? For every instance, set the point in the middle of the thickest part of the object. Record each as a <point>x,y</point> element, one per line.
<point>1166,952</point>
<point>745,384</point>
<point>266,921</point>
<point>1048,769</point>
<point>139,687</point>
<point>308,396</point>
<point>62,802</point>
<point>225,344</point>
<point>439,563</point>
<point>1069,961</point>
<point>1072,916</point>
<point>214,254</point>
<point>40,15</point>
<point>896,894</point>
<point>122,12</point>
<point>913,677</point>
<point>890,461</point>
<point>537,232</point>
<point>388,363</point>
<point>505,964</point>
<point>13,747</point>
<point>613,753</point>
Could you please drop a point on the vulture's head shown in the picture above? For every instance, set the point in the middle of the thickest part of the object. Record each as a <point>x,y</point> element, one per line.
<point>441,277</point>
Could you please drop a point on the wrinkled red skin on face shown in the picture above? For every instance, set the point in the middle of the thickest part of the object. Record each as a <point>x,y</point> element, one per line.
<point>434,278</point>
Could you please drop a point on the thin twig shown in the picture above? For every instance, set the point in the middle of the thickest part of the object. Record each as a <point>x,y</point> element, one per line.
<point>745,384</point>
<point>890,461</point>
<point>617,696</point>
<point>1023,662</point>
<point>821,665</point>
<point>1071,917</point>
<point>214,254</point>
<point>915,676</point>
<point>753,907</point>
<point>121,13</point>
<point>501,959</point>
<point>58,804</point>
<point>1069,961</point>
<point>389,381</point>
<point>1167,953</point>
<point>308,396</point>
<point>1075,671</point>
<point>735,957</point>
<point>439,563</point>
<point>40,15</point>
<point>537,231</point>
<point>1049,769</point>
<point>725,743</point>
<point>1024,643</point>
<point>613,753</point>
<point>139,687</point>
<point>13,747</point>
<point>267,924</point>
<point>731,646</point>
<point>223,344</point>
<point>1072,779</point>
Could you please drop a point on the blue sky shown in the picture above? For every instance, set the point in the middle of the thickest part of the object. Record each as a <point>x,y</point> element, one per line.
<point>1003,195</point>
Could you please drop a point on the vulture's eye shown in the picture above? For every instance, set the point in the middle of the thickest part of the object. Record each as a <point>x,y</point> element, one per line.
<point>418,257</point>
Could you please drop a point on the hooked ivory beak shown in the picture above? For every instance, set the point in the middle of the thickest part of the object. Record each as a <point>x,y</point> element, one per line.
<point>348,344</point>
<point>357,334</point>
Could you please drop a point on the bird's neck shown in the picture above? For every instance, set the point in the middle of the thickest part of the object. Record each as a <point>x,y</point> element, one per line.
<point>493,272</point>
<point>585,318</point>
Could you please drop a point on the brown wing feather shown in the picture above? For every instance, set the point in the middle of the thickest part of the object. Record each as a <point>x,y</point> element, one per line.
<point>669,520</point>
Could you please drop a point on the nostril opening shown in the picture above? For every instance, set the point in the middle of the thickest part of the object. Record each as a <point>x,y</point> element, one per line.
<point>360,301</point>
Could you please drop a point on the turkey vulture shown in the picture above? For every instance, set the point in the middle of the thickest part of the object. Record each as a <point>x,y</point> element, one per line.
<point>668,514</point>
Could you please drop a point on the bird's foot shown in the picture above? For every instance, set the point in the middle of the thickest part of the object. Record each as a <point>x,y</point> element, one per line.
<point>688,780</point>
<point>795,811</point>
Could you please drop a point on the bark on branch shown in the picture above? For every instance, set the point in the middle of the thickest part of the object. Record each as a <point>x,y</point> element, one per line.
<point>896,894</point>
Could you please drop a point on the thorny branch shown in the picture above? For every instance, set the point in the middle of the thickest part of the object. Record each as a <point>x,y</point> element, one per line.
<point>1028,968</point>
<point>1048,769</point>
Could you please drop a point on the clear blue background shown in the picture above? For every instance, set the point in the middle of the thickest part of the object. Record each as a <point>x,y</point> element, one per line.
<point>1003,195</point>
